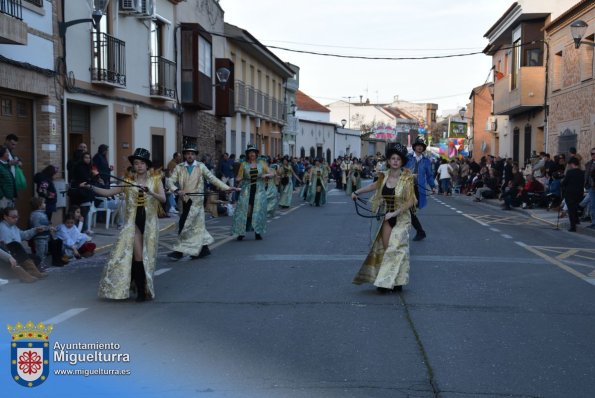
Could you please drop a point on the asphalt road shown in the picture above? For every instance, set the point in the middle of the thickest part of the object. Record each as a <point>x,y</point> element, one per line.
<point>498,305</point>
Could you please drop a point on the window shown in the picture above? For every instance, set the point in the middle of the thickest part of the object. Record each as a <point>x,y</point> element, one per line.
<point>516,64</point>
<point>533,57</point>
<point>22,108</point>
<point>6,107</point>
<point>586,59</point>
<point>196,67</point>
<point>204,57</point>
<point>557,71</point>
<point>38,3</point>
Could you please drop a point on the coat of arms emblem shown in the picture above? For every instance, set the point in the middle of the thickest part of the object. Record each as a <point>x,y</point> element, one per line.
<point>29,353</point>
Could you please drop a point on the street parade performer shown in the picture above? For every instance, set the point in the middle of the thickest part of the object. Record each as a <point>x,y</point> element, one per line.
<point>251,210</point>
<point>134,255</point>
<point>345,168</point>
<point>287,173</point>
<point>421,167</point>
<point>187,181</point>
<point>316,194</point>
<point>387,263</point>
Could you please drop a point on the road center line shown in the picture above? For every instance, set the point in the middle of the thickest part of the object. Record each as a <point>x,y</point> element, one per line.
<point>65,315</point>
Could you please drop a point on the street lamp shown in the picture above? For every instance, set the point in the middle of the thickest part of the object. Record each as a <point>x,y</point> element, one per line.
<point>343,122</point>
<point>222,75</point>
<point>293,108</point>
<point>577,30</point>
<point>99,8</point>
<point>462,112</point>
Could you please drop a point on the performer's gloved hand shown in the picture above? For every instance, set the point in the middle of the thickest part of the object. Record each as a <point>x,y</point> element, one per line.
<point>354,196</point>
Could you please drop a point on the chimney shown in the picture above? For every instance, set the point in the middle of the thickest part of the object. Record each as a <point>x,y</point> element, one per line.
<point>360,98</point>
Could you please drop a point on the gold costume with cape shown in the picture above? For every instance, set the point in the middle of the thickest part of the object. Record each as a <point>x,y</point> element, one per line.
<point>389,268</point>
<point>116,276</point>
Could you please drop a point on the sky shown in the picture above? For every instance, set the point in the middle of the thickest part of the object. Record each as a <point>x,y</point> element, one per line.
<point>377,28</point>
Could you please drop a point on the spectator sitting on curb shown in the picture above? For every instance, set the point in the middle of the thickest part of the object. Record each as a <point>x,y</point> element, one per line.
<point>12,238</point>
<point>75,243</point>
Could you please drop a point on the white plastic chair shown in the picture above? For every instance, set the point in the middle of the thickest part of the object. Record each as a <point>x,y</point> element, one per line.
<point>92,215</point>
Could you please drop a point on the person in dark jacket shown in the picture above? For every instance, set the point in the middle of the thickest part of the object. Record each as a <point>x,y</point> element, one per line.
<point>46,189</point>
<point>7,184</point>
<point>101,164</point>
<point>573,190</point>
<point>82,172</point>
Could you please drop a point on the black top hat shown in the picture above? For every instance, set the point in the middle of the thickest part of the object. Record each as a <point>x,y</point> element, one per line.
<point>398,149</point>
<point>141,154</point>
<point>251,148</point>
<point>190,148</point>
<point>419,141</point>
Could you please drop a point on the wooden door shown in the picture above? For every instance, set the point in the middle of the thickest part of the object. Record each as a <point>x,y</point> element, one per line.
<point>124,144</point>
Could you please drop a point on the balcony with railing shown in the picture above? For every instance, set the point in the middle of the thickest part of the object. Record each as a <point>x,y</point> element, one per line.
<point>256,103</point>
<point>163,78</point>
<point>241,103</point>
<point>12,28</point>
<point>528,94</point>
<point>109,60</point>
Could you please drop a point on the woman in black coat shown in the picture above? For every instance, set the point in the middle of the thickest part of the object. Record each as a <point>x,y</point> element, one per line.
<point>46,189</point>
<point>82,171</point>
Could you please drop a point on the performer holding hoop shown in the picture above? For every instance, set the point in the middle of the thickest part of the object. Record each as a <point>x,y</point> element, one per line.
<point>387,263</point>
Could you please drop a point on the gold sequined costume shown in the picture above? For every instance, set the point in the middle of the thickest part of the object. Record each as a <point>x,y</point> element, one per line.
<point>116,276</point>
<point>389,268</point>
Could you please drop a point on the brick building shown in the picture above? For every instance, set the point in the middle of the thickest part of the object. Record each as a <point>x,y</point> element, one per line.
<point>572,83</point>
<point>30,90</point>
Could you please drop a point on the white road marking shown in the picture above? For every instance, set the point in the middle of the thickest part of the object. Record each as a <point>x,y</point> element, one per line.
<point>476,220</point>
<point>460,212</point>
<point>554,261</point>
<point>506,236</point>
<point>65,315</point>
<point>161,271</point>
<point>494,229</point>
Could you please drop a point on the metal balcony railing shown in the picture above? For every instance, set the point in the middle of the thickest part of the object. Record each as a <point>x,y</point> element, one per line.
<point>13,8</point>
<point>266,106</point>
<point>274,109</point>
<point>259,101</point>
<point>109,59</point>
<point>163,77</point>
<point>241,95</point>
<point>251,99</point>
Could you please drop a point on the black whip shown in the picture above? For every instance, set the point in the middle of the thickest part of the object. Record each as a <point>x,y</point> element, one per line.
<point>368,213</point>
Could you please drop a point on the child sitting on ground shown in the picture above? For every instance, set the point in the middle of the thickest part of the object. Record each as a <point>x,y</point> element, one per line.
<point>78,217</point>
<point>75,243</point>
<point>39,218</point>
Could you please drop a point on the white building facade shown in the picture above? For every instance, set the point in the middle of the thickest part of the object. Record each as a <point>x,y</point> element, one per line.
<point>120,86</point>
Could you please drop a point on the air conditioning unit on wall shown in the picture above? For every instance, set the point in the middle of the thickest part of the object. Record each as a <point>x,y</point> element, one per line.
<point>147,8</point>
<point>130,6</point>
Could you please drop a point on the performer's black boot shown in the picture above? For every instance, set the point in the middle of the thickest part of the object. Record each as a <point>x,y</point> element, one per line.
<point>317,199</point>
<point>203,252</point>
<point>257,236</point>
<point>140,280</point>
<point>420,233</point>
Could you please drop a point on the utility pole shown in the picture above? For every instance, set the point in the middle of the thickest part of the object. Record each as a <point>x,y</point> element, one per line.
<point>349,111</point>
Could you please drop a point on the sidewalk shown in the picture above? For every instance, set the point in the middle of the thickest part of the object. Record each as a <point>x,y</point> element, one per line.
<point>549,217</point>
